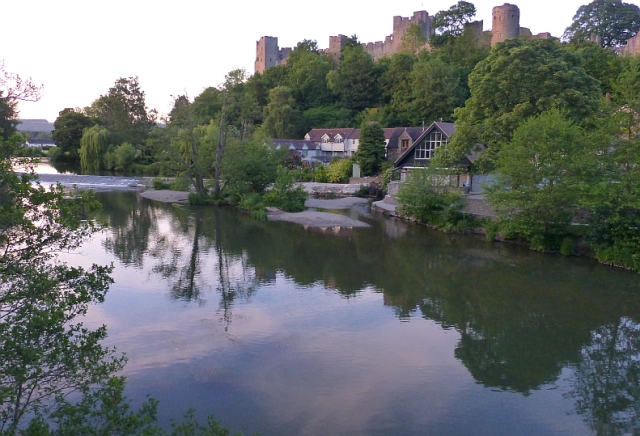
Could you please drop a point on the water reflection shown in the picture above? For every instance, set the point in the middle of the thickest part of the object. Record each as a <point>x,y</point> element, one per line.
<point>522,317</point>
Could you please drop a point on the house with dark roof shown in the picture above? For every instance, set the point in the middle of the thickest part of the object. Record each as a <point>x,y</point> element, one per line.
<point>420,152</point>
<point>333,142</point>
<point>307,150</point>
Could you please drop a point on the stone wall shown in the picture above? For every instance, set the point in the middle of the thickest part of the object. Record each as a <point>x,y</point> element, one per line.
<point>632,48</point>
<point>506,23</point>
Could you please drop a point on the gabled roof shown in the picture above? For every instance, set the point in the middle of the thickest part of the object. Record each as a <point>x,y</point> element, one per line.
<point>413,132</point>
<point>446,128</point>
<point>316,135</point>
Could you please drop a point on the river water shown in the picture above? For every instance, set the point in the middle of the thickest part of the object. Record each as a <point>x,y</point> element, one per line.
<point>389,330</point>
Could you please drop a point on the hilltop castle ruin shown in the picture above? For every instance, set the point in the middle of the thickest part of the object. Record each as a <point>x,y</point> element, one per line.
<point>506,25</point>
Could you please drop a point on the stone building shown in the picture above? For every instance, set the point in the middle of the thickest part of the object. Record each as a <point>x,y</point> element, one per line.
<point>268,54</point>
<point>505,25</point>
<point>632,48</point>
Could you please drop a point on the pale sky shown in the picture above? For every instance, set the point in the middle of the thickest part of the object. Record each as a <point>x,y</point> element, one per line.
<point>78,48</point>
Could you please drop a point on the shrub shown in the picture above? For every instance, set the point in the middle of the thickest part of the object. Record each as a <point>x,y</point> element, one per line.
<point>160,184</point>
<point>428,198</point>
<point>339,171</point>
<point>320,174</point>
<point>180,184</point>
<point>566,248</point>
<point>253,204</point>
<point>285,193</point>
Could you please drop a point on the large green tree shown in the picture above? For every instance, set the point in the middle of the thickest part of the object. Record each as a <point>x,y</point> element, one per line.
<point>451,23</point>
<point>541,173</point>
<point>94,144</point>
<point>282,120</point>
<point>307,72</point>
<point>520,79</point>
<point>371,150</point>
<point>612,20</point>
<point>123,111</point>
<point>355,82</point>
<point>68,130</point>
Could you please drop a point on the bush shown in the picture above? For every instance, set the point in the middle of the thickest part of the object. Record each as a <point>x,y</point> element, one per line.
<point>306,175</point>
<point>362,191</point>
<point>339,171</point>
<point>428,198</point>
<point>566,248</point>
<point>160,184</point>
<point>320,174</point>
<point>180,184</point>
<point>253,204</point>
<point>285,194</point>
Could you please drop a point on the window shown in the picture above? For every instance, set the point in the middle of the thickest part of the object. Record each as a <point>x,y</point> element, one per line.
<point>324,139</point>
<point>337,139</point>
<point>426,148</point>
<point>405,144</point>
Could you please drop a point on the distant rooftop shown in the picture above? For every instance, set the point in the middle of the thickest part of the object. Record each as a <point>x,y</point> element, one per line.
<point>34,125</point>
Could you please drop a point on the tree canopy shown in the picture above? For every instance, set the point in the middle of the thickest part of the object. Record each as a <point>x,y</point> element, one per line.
<point>520,79</point>
<point>68,130</point>
<point>612,20</point>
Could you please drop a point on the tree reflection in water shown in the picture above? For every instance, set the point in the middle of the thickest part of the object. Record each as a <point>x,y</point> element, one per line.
<point>607,379</point>
<point>522,317</point>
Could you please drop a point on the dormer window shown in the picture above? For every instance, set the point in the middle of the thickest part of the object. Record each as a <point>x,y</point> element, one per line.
<point>325,139</point>
<point>337,139</point>
<point>405,144</point>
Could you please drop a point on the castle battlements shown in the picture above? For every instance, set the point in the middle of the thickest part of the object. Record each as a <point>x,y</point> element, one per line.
<point>505,25</point>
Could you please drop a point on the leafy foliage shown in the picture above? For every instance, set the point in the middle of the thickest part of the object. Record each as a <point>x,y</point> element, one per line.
<point>371,150</point>
<point>123,111</point>
<point>93,147</point>
<point>428,197</point>
<point>518,80</point>
<point>540,178</point>
<point>68,130</point>
<point>612,20</point>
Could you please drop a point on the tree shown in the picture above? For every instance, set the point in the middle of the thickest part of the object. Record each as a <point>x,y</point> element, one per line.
<point>93,146</point>
<point>355,82</point>
<point>371,150</point>
<point>45,353</point>
<point>612,20</point>
<point>69,128</point>
<point>520,79</point>
<point>451,23</point>
<point>307,76</point>
<point>540,175</point>
<point>207,106</point>
<point>123,112</point>
<point>281,119</point>
<point>614,222</point>
<point>436,91</point>
<point>413,39</point>
<point>14,89</point>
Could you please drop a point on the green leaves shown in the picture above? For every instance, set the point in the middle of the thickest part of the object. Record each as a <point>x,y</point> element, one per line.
<point>612,20</point>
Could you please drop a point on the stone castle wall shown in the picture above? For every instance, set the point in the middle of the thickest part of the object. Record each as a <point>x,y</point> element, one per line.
<point>505,25</point>
<point>632,48</point>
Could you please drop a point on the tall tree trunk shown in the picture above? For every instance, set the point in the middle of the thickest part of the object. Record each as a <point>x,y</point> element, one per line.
<point>221,139</point>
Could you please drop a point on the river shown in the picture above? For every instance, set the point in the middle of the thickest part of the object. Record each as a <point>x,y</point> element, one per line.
<point>393,329</point>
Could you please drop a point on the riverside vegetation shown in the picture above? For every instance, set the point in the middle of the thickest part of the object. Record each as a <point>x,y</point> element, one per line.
<point>558,121</point>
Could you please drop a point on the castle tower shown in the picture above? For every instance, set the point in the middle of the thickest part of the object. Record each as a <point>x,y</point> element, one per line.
<point>506,23</point>
<point>336,44</point>
<point>267,53</point>
<point>401,24</point>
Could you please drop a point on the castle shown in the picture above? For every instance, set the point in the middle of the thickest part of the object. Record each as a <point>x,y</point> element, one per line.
<point>506,25</point>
